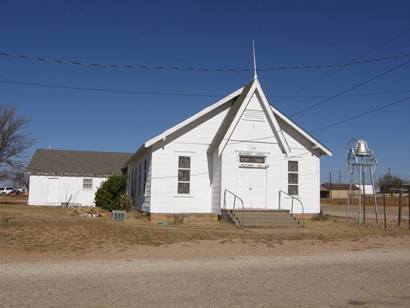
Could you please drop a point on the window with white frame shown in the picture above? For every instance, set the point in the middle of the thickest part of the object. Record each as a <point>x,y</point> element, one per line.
<point>184,174</point>
<point>87,183</point>
<point>293,177</point>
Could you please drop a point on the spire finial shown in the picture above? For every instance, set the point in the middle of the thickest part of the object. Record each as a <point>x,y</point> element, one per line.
<point>255,75</point>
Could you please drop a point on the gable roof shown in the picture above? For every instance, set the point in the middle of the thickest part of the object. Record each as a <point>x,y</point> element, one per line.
<point>80,163</point>
<point>196,116</point>
<point>304,133</point>
<point>236,95</point>
<point>243,101</point>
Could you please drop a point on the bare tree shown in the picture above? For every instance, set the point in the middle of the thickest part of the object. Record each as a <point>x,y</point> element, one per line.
<point>14,141</point>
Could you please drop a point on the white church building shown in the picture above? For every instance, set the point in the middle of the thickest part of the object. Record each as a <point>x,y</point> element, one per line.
<point>240,146</point>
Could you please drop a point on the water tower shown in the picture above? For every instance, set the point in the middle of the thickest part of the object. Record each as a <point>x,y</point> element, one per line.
<point>361,161</point>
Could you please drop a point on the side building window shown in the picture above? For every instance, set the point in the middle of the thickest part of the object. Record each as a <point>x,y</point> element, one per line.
<point>184,174</point>
<point>87,183</point>
<point>293,178</point>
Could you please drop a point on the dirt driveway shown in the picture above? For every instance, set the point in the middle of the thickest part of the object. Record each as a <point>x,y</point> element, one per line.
<point>369,278</point>
<point>31,233</point>
<point>48,257</point>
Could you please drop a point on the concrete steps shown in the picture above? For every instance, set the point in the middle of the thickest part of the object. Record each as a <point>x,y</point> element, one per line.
<point>251,218</point>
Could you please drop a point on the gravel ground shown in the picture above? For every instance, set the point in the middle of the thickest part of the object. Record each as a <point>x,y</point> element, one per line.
<point>369,278</point>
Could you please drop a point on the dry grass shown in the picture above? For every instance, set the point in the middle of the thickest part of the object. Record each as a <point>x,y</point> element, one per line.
<point>54,231</point>
<point>7,199</point>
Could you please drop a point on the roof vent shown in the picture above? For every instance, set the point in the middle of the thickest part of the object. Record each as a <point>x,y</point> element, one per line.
<point>254,115</point>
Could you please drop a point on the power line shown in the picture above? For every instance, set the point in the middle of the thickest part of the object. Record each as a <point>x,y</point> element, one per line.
<point>351,88</point>
<point>365,54</point>
<point>46,85</point>
<point>197,69</point>
<point>108,90</point>
<point>361,114</point>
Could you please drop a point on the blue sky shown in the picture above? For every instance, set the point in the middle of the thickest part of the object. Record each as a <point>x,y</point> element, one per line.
<point>206,34</point>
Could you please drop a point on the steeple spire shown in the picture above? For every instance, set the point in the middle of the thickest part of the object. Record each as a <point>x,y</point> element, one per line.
<point>255,74</point>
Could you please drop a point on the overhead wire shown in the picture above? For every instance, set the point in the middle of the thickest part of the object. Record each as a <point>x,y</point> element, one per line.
<point>310,107</point>
<point>160,93</point>
<point>328,74</point>
<point>362,114</point>
<point>196,69</point>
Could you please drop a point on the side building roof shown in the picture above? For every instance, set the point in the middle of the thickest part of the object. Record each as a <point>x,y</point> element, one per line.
<point>76,163</point>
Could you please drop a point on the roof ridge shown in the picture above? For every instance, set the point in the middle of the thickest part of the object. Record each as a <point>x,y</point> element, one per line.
<point>82,151</point>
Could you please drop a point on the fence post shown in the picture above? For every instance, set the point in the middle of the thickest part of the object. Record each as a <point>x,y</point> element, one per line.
<point>400,206</point>
<point>408,201</point>
<point>384,210</point>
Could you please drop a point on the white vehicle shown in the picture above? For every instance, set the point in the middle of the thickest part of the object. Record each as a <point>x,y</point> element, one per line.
<point>6,190</point>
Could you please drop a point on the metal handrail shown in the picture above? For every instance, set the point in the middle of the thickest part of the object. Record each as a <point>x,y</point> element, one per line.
<point>293,198</point>
<point>234,204</point>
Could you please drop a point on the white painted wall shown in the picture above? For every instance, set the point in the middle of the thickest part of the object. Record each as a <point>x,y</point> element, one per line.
<point>193,143</point>
<point>66,186</point>
<point>252,134</point>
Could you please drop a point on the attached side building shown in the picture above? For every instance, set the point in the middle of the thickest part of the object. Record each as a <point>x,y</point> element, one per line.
<point>240,145</point>
<point>59,176</point>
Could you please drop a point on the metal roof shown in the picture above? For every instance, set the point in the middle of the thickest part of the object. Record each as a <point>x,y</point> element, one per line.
<point>80,163</point>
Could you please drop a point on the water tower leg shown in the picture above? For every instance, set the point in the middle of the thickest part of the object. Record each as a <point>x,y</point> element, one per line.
<point>349,199</point>
<point>364,195</point>
<point>360,194</point>
<point>376,209</point>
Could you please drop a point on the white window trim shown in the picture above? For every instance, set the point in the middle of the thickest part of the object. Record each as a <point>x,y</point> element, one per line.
<point>91,182</point>
<point>293,172</point>
<point>188,194</point>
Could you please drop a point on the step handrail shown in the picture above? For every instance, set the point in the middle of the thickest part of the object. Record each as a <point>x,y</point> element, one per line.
<point>293,198</point>
<point>234,204</point>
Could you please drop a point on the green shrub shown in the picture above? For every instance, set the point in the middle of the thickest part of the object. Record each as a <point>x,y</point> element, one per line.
<point>110,195</point>
<point>125,202</point>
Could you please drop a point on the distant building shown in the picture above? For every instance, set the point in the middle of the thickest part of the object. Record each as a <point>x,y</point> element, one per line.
<point>368,189</point>
<point>59,176</point>
<point>336,191</point>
